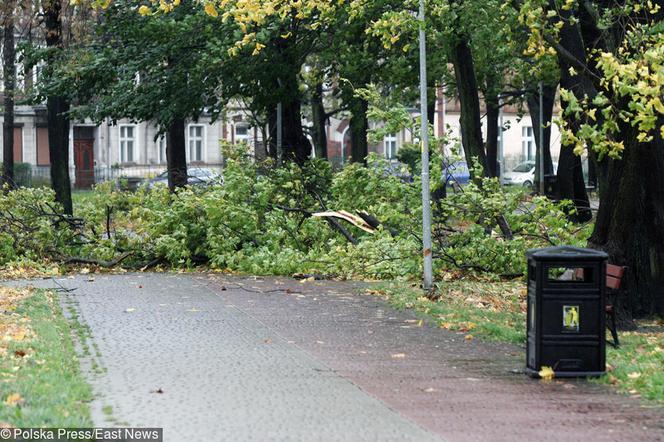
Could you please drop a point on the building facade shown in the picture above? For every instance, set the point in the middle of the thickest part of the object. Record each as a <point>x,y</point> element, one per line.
<point>126,149</point>
<point>136,149</point>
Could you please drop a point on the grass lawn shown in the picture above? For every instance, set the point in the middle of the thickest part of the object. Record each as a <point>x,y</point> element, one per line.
<point>81,196</point>
<point>40,380</point>
<point>497,311</point>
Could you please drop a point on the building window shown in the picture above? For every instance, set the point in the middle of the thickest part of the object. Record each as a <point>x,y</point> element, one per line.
<point>241,134</point>
<point>43,155</point>
<point>195,142</point>
<point>390,146</point>
<point>18,144</point>
<point>528,143</point>
<point>161,150</point>
<point>127,143</point>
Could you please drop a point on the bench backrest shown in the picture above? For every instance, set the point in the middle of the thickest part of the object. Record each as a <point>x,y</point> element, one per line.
<point>614,276</point>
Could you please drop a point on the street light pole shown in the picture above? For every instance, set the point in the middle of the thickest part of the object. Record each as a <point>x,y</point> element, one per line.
<point>541,138</point>
<point>424,138</point>
<point>280,136</point>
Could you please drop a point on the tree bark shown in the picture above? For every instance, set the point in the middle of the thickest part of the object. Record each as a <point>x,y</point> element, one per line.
<point>570,173</point>
<point>431,103</point>
<point>272,130</point>
<point>492,114</point>
<point>630,224</point>
<point>630,221</point>
<point>571,185</point>
<point>58,147</point>
<point>9,78</point>
<point>548,99</point>
<point>176,154</point>
<point>296,146</point>
<point>319,121</point>
<point>359,126</point>
<point>57,109</point>
<point>471,125</point>
<point>592,171</point>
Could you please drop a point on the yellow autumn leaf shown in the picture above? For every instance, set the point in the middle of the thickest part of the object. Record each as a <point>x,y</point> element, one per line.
<point>634,375</point>
<point>211,10</point>
<point>257,49</point>
<point>657,104</point>
<point>547,373</point>
<point>13,399</point>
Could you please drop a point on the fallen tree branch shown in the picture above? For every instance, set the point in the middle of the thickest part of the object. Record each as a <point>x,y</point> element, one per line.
<point>355,220</point>
<point>97,262</point>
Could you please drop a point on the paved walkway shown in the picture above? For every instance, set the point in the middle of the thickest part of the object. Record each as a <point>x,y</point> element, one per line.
<point>212,357</point>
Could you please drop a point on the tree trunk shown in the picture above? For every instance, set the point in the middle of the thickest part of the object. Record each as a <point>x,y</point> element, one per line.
<point>570,173</point>
<point>176,154</point>
<point>9,78</point>
<point>571,185</point>
<point>57,109</point>
<point>592,171</point>
<point>492,114</point>
<point>319,121</point>
<point>630,223</point>
<point>470,118</point>
<point>432,98</point>
<point>296,146</point>
<point>58,147</point>
<point>548,99</point>
<point>272,130</point>
<point>359,126</point>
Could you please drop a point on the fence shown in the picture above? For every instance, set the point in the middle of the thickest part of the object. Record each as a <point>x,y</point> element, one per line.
<point>35,176</point>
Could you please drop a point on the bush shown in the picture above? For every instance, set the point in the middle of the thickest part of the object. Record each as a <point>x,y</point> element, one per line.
<point>259,221</point>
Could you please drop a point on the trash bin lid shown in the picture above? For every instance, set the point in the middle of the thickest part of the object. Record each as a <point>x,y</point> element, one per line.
<point>566,253</point>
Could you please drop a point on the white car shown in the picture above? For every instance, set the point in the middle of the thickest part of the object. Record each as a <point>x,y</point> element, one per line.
<point>523,174</point>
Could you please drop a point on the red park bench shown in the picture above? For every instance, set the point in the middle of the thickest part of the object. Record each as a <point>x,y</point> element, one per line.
<point>614,275</point>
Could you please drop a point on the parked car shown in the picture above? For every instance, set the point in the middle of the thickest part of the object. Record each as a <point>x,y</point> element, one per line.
<point>456,172</point>
<point>196,176</point>
<point>523,174</point>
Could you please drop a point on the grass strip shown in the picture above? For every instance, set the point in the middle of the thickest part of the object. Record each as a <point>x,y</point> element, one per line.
<point>41,384</point>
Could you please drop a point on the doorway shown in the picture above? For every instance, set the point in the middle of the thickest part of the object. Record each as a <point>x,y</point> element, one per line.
<point>84,162</point>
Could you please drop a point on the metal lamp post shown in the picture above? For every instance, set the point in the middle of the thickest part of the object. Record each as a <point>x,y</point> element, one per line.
<point>541,138</point>
<point>424,138</point>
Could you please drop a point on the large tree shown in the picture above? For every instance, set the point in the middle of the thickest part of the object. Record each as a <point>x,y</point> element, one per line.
<point>611,61</point>
<point>57,107</point>
<point>160,69</point>
<point>7,14</point>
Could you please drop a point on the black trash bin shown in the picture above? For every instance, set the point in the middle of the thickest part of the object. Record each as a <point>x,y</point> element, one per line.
<point>566,311</point>
<point>551,186</point>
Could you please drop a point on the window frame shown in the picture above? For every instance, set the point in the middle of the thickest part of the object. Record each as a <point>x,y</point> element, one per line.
<point>203,138</point>
<point>387,140</point>
<point>135,146</point>
<point>161,153</point>
<point>241,138</point>
<point>528,144</point>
